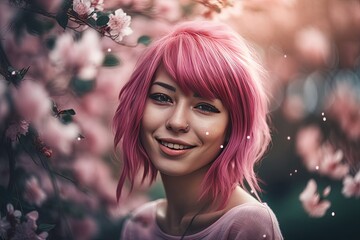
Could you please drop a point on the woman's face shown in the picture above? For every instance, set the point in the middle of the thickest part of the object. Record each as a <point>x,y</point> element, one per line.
<point>181,133</point>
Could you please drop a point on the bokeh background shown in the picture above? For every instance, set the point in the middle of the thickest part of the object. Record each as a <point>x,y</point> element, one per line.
<point>64,62</point>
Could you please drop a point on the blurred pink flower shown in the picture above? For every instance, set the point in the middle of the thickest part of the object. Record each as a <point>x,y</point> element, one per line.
<point>343,105</point>
<point>4,227</point>
<point>83,229</point>
<point>31,100</point>
<point>98,4</point>
<point>311,201</point>
<point>97,136</point>
<point>93,172</point>
<point>33,192</point>
<point>351,186</point>
<point>330,163</point>
<point>119,24</point>
<point>17,129</point>
<point>11,211</point>
<point>313,46</point>
<point>26,230</point>
<point>168,9</point>
<point>83,7</point>
<point>319,156</point>
<point>57,135</point>
<point>82,57</point>
<point>308,140</point>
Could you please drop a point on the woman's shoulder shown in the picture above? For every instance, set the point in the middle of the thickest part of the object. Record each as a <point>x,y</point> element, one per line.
<point>141,222</point>
<point>145,213</point>
<point>252,221</point>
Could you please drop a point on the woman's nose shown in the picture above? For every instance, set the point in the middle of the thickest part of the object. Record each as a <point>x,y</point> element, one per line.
<point>178,120</point>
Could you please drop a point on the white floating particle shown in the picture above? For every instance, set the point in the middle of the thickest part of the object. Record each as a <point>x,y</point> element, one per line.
<point>248,137</point>
<point>290,174</point>
<point>252,191</point>
<point>333,214</point>
<point>324,119</point>
<point>109,49</point>
<point>322,114</point>
<point>285,56</point>
<point>221,146</point>
<point>13,73</point>
<point>79,138</point>
<point>295,170</point>
<point>288,138</point>
<point>207,133</point>
<point>317,167</point>
<point>264,236</point>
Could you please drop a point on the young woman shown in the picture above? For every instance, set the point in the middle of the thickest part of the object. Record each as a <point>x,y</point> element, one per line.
<point>195,111</point>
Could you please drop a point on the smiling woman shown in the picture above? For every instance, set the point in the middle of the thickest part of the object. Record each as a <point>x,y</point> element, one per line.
<point>194,110</point>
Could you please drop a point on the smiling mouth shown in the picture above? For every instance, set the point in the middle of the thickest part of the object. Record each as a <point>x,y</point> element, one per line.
<point>175,146</point>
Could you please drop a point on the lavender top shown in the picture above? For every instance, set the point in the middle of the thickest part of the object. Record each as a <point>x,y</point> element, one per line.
<point>248,221</point>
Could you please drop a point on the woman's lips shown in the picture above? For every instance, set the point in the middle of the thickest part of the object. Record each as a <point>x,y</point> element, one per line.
<point>174,148</point>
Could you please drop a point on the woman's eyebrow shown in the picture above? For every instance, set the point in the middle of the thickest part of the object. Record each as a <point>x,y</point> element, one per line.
<point>164,85</point>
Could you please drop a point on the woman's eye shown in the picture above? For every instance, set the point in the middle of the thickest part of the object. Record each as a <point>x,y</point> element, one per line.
<point>205,107</point>
<point>161,98</point>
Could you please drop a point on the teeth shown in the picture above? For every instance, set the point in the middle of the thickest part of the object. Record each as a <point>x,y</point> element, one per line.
<point>174,146</point>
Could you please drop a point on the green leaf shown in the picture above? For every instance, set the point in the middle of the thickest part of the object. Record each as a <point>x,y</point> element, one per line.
<point>62,19</point>
<point>146,40</point>
<point>82,86</point>
<point>110,60</point>
<point>91,21</point>
<point>46,227</point>
<point>102,21</point>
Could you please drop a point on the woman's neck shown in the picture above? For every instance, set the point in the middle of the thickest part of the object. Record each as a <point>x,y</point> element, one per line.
<point>183,193</point>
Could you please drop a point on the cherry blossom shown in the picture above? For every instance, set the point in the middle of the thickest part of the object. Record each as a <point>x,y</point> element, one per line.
<point>83,7</point>
<point>31,100</point>
<point>58,135</point>
<point>16,129</point>
<point>119,24</point>
<point>351,186</point>
<point>331,165</point>
<point>83,57</point>
<point>33,192</point>
<point>311,201</point>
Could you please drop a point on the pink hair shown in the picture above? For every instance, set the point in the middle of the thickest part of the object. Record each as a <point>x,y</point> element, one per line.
<point>212,60</point>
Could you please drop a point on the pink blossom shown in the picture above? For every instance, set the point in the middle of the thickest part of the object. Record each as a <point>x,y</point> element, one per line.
<point>26,230</point>
<point>17,129</point>
<point>311,201</point>
<point>168,9</point>
<point>343,105</point>
<point>308,141</point>
<point>33,192</point>
<point>351,186</point>
<point>83,229</point>
<point>82,57</point>
<point>93,172</point>
<point>98,4</point>
<point>11,211</point>
<point>119,25</point>
<point>31,100</point>
<point>57,135</point>
<point>313,46</point>
<point>4,227</point>
<point>330,163</point>
<point>83,7</point>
